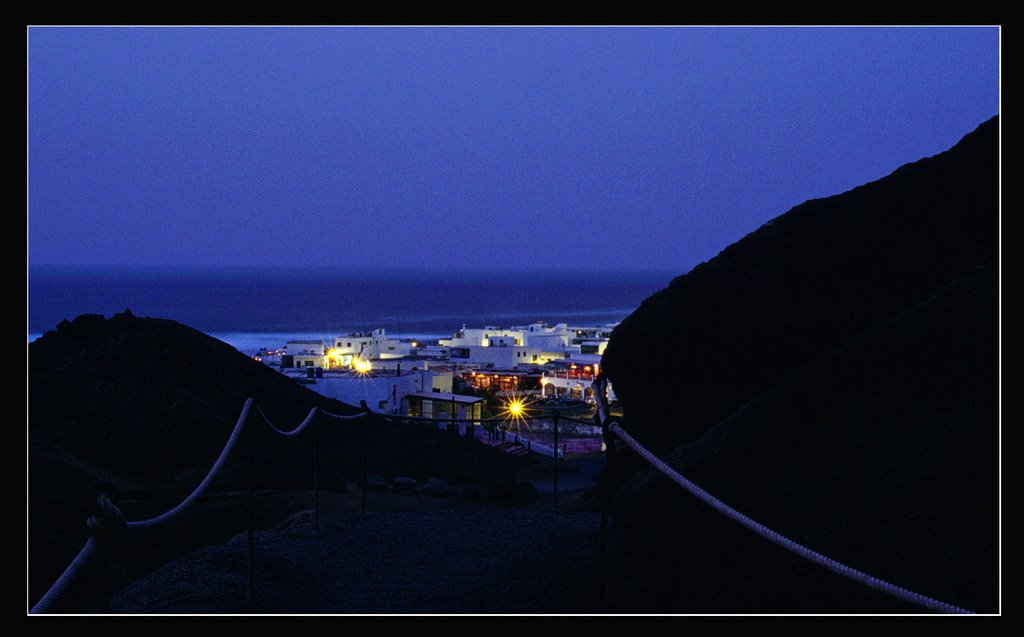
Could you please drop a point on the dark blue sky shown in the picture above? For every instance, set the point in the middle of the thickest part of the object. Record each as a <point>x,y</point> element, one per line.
<point>595,147</point>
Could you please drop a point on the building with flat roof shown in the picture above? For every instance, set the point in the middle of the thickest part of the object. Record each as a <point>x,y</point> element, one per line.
<point>525,344</point>
<point>304,353</point>
<point>505,380</point>
<point>442,405</point>
<point>384,392</point>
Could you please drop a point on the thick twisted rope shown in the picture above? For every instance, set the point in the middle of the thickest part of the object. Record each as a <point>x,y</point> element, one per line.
<point>109,520</point>
<point>112,517</point>
<point>294,432</point>
<point>210,475</point>
<point>356,416</point>
<point>65,579</point>
<point>786,543</point>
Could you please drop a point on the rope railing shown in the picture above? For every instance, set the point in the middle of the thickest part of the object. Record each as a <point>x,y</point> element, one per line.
<point>70,573</point>
<point>110,515</point>
<point>769,534</point>
<point>356,416</point>
<point>294,432</point>
<point>206,481</point>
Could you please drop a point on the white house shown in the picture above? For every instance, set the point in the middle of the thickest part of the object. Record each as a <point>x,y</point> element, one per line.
<point>540,340</point>
<point>365,346</point>
<point>470,337</point>
<point>306,353</point>
<point>383,392</point>
<point>500,357</point>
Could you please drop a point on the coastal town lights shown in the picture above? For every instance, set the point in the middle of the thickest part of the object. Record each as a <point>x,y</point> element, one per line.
<point>362,366</point>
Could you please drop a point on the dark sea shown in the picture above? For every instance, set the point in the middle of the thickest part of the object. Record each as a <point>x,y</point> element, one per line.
<point>253,308</point>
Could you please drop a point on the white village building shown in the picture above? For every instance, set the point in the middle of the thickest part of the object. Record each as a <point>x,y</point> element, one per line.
<point>533,344</point>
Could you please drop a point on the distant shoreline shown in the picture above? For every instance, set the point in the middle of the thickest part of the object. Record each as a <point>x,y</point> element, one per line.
<point>418,304</point>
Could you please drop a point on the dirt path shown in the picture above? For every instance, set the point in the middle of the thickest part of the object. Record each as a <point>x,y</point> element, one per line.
<point>405,555</point>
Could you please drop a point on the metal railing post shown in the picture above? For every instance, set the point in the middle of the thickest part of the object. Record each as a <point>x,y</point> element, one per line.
<point>250,517</point>
<point>107,522</point>
<point>554,454</point>
<point>603,419</point>
<point>366,442</point>
<point>316,473</point>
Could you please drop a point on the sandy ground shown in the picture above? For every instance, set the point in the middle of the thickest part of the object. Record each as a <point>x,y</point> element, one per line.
<point>406,554</point>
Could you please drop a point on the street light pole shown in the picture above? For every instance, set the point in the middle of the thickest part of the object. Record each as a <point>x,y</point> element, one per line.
<point>554,496</point>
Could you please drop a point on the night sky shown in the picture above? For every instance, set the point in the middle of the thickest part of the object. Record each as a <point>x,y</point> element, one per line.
<point>547,147</point>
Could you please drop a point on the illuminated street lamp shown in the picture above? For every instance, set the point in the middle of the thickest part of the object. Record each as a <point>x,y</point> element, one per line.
<point>515,412</point>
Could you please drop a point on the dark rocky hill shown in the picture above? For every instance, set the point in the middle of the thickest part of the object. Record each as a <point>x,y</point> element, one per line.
<point>881,453</point>
<point>146,405</point>
<point>147,400</point>
<point>801,284</point>
<point>835,375</point>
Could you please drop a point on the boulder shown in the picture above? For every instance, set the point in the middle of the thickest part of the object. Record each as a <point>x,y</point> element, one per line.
<point>375,482</point>
<point>436,486</point>
<point>404,485</point>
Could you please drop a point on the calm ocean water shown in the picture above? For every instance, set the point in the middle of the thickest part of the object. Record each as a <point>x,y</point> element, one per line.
<point>251,308</point>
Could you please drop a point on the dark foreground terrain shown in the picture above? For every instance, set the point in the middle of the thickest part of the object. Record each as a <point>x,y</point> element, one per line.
<point>410,554</point>
<point>144,406</point>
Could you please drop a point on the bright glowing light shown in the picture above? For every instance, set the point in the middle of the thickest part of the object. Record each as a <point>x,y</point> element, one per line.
<point>362,366</point>
<point>516,414</point>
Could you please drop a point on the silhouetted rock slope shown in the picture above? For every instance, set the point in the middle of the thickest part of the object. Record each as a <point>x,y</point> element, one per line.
<point>148,404</point>
<point>146,399</point>
<point>835,375</point>
<point>803,283</point>
<point>881,453</point>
